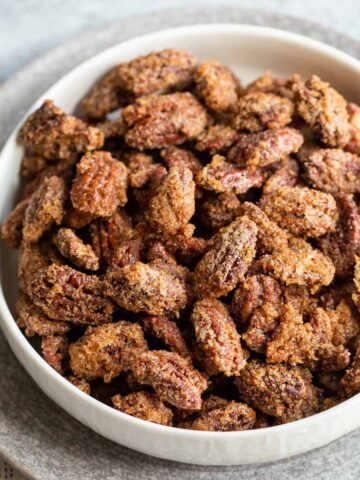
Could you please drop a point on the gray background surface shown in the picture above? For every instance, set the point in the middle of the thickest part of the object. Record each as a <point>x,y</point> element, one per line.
<point>34,433</point>
<point>29,28</point>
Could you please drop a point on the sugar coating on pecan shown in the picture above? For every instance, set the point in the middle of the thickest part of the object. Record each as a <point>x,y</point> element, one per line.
<point>72,247</point>
<point>332,170</point>
<point>217,138</point>
<point>353,145</point>
<point>164,70</point>
<point>164,120</point>
<point>144,288</point>
<point>55,350</point>
<point>180,157</point>
<point>264,148</point>
<point>286,175</point>
<point>217,338</point>
<point>271,238</point>
<point>106,350</point>
<point>217,211</point>
<point>32,164</point>
<point>172,377</point>
<point>11,227</point>
<point>299,264</point>
<point>226,262</point>
<point>30,261</point>
<point>302,211</point>
<point>167,332</point>
<point>356,295</point>
<point>351,380</point>
<point>232,416</point>
<point>221,176</point>
<point>53,134</point>
<point>216,85</point>
<point>174,204</point>
<point>324,109</point>
<point>65,294</point>
<point>80,383</point>
<point>45,207</point>
<point>259,111</point>
<point>35,322</point>
<point>344,243</point>
<point>144,405</point>
<point>268,83</point>
<point>99,187</point>
<point>278,390</point>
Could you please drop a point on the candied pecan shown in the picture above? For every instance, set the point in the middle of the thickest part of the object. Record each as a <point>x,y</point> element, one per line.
<point>107,350</point>
<point>180,157</point>
<point>324,109</point>
<point>73,248</point>
<point>217,211</point>
<point>278,390</point>
<point>55,350</point>
<point>168,333</point>
<point>220,176</point>
<point>271,238</point>
<point>75,219</point>
<point>344,243</point>
<point>267,83</point>
<point>261,325</point>
<point>332,170</point>
<point>141,168</point>
<point>34,322</point>
<point>232,416</point>
<point>217,85</point>
<point>351,380</point>
<point>174,204</point>
<point>259,111</point>
<point>144,75</point>
<point>100,184</point>
<point>285,176</point>
<point>216,139</point>
<point>66,294</point>
<point>293,341</point>
<point>356,295</point>
<point>353,145</point>
<point>217,338</point>
<point>80,383</point>
<point>32,164</point>
<point>231,252</point>
<point>127,253</point>
<point>302,211</point>
<point>53,134</point>
<point>144,288</point>
<point>31,260</point>
<point>172,377</point>
<point>300,298</point>
<point>11,227</point>
<point>45,207</point>
<point>253,293</point>
<point>188,249</point>
<point>264,148</point>
<point>299,264</point>
<point>144,405</point>
<point>162,121</point>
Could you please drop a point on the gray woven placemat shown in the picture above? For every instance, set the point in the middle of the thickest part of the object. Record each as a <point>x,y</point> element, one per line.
<point>37,436</point>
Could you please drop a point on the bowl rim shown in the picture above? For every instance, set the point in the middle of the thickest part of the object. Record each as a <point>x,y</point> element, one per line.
<point>8,321</point>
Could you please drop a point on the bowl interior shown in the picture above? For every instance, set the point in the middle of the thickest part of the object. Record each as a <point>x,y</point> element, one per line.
<point>248,50</point>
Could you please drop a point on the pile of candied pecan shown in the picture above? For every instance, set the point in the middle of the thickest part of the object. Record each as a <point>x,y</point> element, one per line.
<point>193,261</point>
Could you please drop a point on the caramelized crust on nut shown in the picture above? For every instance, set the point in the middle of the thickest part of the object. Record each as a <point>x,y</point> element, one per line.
<point>100,185</point>
<point>217,338</point>
<point>53,134</point>
<point>144,405</point>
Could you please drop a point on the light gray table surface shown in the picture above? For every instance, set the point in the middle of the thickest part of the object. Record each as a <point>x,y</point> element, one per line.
<point>27,30</point>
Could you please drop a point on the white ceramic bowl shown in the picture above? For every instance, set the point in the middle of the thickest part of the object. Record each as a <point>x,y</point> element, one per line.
<point>249,50</point>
